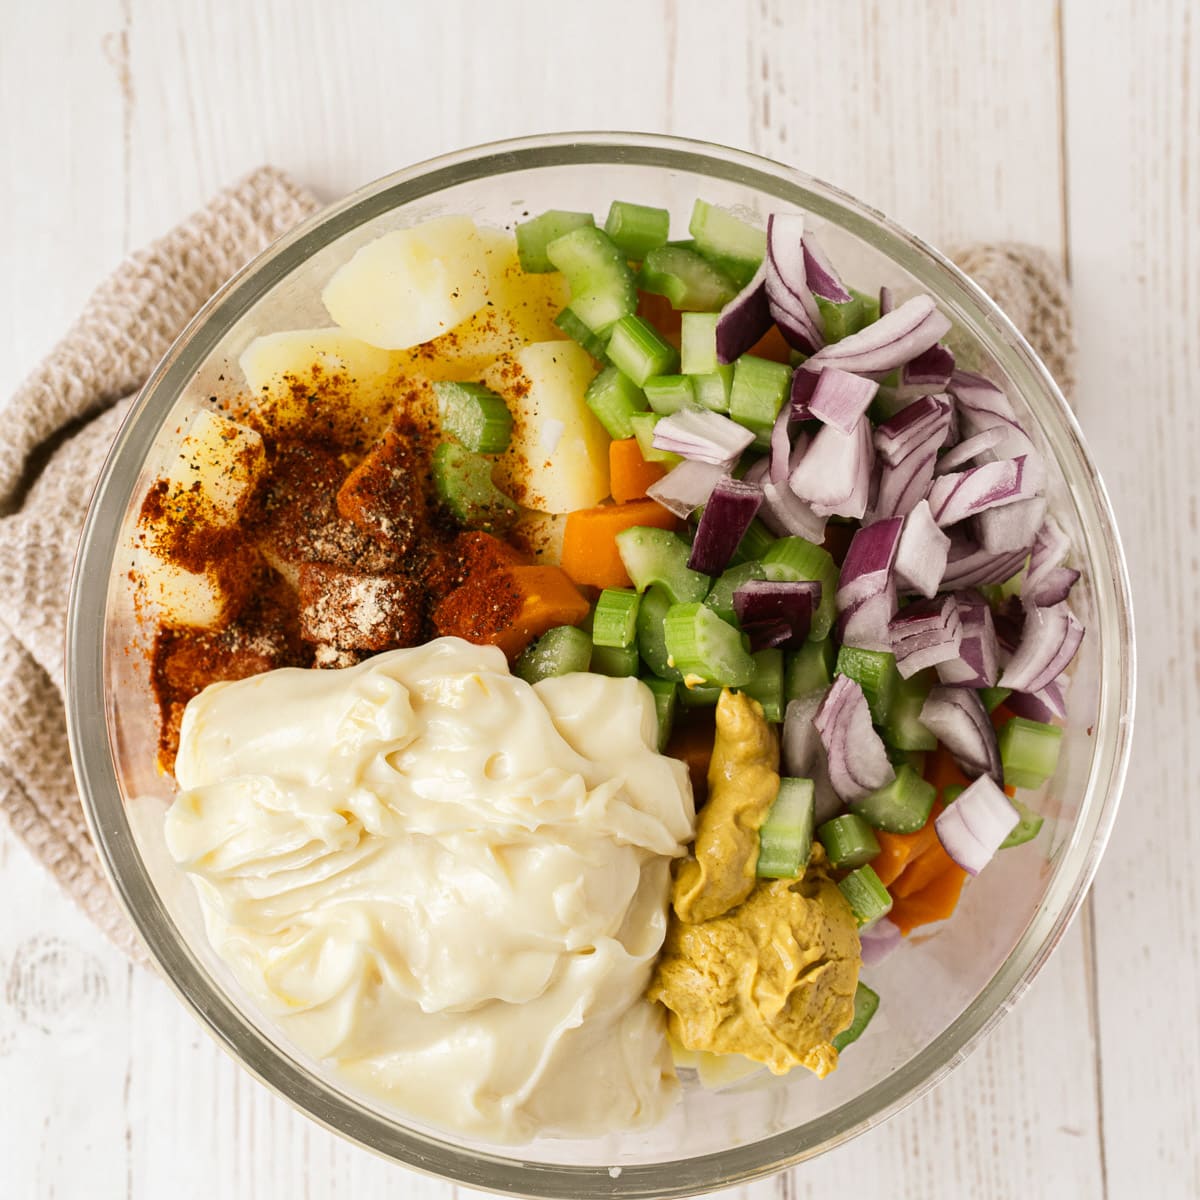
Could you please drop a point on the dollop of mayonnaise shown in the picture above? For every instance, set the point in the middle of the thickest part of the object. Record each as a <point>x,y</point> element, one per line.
<point>447,882</point>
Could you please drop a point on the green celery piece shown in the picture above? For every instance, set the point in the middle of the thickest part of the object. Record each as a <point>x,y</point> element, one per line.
<point>614,621</point>
<point>720,235</point>
<point>841,320</point>
<point>667,394</point>
<point>713,388</point>
<point>902,806</point>
<point>785,837</point>
<point>577,331</point>
<point>756,541</point>
<point>614,399</point>
<point>533,236</point>
<point>759,390</point>
<point>1029,751</point>
<point>868,898</point>
<point>1027,828</point>
<point>903,729</point>
<point>687,279</point>
<point>766,685</point>
<point>951,792</point>
<point>795,558</point>
<point>639,350</point>
<point>848,840</point>
<point>643,429</point>
<point>617,661</point>
<point>705,648</point>
<point>866,1004</point>
<point>559,651</point>
<point>993,697</point>
<point>698,343</point>
<point>602,285</point>
<point>664,693</point>
<point>463,481</point>
<point>808,670</point>
<point>651,638</point>
<point>720,596</point>
<point>660,556</point>
<point>870,306</point>
<point>698,695</point>
<point>474,416</point>
<point>636,229</point>
<point>875,672</point>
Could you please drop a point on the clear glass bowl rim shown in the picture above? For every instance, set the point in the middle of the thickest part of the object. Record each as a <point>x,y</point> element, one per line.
<point>95,766</point>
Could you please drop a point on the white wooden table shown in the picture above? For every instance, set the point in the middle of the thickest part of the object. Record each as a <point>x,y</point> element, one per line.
<point>1075,125</point>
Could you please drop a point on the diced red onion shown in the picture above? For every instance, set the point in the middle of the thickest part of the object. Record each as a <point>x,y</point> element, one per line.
<point>977,663</point>
<point>1050,549</point>
<point>982,405</point>
<point>962,494</point>
<point>1049,641</point>
<point>703,436</point>
<point>1008,616</point>
<point>790,300</point>
<point>858,762</point>
<point>785,514</point>
<point>804,383</point>
<point>878,940</point>
<point>731,506</point>
<point>820,275</point>
<point>1052,588</point>
<point>923,423</point>
<point>1011,526</point>
<point>921,555</point>
<point>973,828</point>
<point>957,718</point>
<point>803,755</point>
<point>765,635</point>
<point>890,342</point>
<point>756,472</point>
<point>868,562</point>
<point>925,634</point>
<point>899,489</point>
<point>968,565</point>
<point>1047,705</point>
<point>686,486</point>
<point>758,601</point>
<point>834,476</point>
<point>783,446</point>
<point>886,301</point>
<point>929,372</point>
<point>969,450</point>
<point>744,319</point>
<point>840,398</point>
<point>1046,581</point>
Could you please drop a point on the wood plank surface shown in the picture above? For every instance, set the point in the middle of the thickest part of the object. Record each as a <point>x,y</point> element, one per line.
<point>119,116</point>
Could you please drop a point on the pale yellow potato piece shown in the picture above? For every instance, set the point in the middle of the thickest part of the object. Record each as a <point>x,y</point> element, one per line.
<point>558,459</point>
<point>183,597</point>
<point>226,459</point>
<point>541,534</point>
<point>718,1071</point>
<point>411,285</point>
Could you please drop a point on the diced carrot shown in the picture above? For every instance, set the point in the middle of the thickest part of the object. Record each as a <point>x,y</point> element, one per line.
<point>897,850</point>
<point>941,770</point>
<point>629,472</point>
<point>922,870</point>
<point>692,743</point>
<point>589,553</point>
<point>658,311</point>
<point>934,902</point>
<point>772,345</point>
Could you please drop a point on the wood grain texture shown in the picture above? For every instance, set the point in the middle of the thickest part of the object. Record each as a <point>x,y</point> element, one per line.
<point>119,116</point>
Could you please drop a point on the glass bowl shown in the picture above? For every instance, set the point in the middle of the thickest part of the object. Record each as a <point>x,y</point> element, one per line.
<point>941,992</point>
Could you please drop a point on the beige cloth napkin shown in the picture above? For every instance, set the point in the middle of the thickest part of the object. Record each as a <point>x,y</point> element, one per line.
<point>61,422</point>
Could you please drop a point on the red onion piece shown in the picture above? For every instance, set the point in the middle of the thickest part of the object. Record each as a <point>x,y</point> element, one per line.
<point>765,635</point>
<point>858,762</point>
<point>890,342</point>
<point>1046,580</point>
<point>921,555</point>
<point>731,507</point>
<point>785,514</point>
<point>866,596</point>
<point>923,423</point>
<point>685,487</point>
<point>1049,641</point>
<point>804,383</point>
<point>820,275</point>
<point>703,436</point>
<point>782,445</point>
<point>929,372</point>
<point>803,755</point>
<point>962,494</point>
<point>981,405</point>
<point>969,450</point>
<point>899,489</point>
<point>1011,526</point>
<point>840,398</point>
<point>758,601</point>
<point>834,476</point>
<point>886,301</point>
<point>1053,588</point>
<point>1047,705</point>
<point>977,664</point>
<point>972,829</point>
<point>878,940</point>
<point>968,565</point>
<point>925,634</point>
<point>744,319</point>
<point>957,718</point>
<point>791,302</point>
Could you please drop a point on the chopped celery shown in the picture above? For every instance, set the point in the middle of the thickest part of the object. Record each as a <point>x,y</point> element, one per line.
<point>1029,751</point>
<point>720,596</point>
<point>1027,828</point>
<point>687,279</point>
<point>760,387</point>
<point>698,343</point>
<point>766,685</point>
<point>659,556</point>
<point>951,792</point>
<point>698,695</point>
<point>756,541</point>
<point>794,558</point>
<point>713,388</point>
<point>651,639</point>
<point>669,393</point>
<point>617,661</point>
<point>639,350</point>
<point>848,840</point>
<point>614,398</point>
<point>636,229</point>
<point>614,622</point>
<point>474,416</point>
<point>866,895</point>
<point>559,651</point>
<point>870,306</point>
<point>902,806</point>
<point>914,758</point>
<point>663,691</point>
<point>643,429</point>
<point>601,283</point>
<point>841,320</point>
<point>875,672</point>
<point>720,235</point>
<point>993,697</point>
<point>903,729</point>
<point>866,1004</point>
<point>705,648</point>
<point>463,481</point>
<point>785,837</point>
<point>577,331</point>
<point>535,235</point>
<point>809,669</point>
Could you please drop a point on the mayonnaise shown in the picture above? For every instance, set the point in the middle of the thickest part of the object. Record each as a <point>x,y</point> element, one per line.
<point>448,882</point>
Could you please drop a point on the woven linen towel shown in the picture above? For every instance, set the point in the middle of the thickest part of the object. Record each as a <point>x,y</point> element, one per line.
<point>61,423</point>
